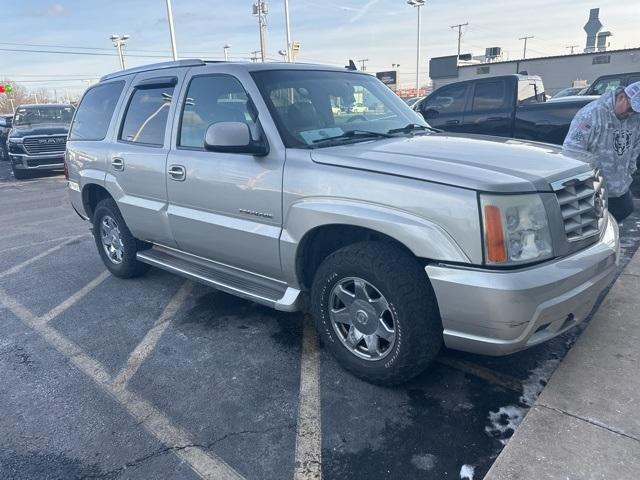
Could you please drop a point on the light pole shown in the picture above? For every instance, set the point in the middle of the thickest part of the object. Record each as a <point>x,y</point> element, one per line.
<point>288,28</point>
<point>227,47</point>
<point>418,4</point>
<point>172,31</point>
<point>119,42</point>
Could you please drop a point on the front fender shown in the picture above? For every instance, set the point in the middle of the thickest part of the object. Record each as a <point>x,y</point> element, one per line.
<point>422,237</point>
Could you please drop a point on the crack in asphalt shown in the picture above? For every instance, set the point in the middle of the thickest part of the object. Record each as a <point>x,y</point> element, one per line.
<point>590,421</point>
<point>116,472</point>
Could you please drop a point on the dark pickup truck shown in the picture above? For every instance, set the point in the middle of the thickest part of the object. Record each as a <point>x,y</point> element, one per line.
<point>38,138</point>
<point>5,127</point>
<point>611,82</point>
<point>506,106</point>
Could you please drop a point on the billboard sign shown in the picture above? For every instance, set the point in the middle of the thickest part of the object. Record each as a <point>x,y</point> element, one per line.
<point>389,78</point>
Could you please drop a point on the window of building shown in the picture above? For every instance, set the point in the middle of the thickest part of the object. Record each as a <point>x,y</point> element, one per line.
<point>483,70</point>
<point>95,111</point>
<point>146,117</point>
<point>601,59</point>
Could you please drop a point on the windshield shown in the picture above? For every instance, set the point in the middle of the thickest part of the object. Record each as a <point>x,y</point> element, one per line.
<point>29,116</point>
<point>310,106</point>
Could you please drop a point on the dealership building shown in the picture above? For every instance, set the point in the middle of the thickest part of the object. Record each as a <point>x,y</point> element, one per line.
<point>557,72</point>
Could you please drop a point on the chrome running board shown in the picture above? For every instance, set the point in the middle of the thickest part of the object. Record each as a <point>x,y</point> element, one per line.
<point>259,289</point>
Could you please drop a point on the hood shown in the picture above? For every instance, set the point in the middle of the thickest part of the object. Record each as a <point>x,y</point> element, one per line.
<point>476,162</point>
<point>39,129</point>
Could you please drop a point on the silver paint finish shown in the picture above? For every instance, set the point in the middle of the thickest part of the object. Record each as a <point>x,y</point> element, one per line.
<point>500,312</point>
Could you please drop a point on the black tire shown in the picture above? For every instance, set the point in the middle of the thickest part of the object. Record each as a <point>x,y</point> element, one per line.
<point>399,277</point>
<point>129,266</point>
<point>20,174</point>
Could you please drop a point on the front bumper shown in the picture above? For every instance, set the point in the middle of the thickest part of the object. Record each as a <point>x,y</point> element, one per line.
<point>22,161</point>
<point>500,312</point>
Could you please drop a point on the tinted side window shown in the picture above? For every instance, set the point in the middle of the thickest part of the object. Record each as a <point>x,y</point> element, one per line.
<point>146,117</point>
<point>447,100</point>
<point>95,111</point>
<point>212,99</point>
<point>489,96</point>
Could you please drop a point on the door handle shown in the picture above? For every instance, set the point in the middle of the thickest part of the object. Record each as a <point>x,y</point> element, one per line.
<point>117,163</point>
<point>452,122</point>
<point>177,173</point>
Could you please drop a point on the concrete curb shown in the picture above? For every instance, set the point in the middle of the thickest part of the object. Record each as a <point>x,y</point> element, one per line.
<point>586,423</point>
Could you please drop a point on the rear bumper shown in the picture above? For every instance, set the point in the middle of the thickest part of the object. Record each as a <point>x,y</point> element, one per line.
<point>501,312</point>
<point>37,162</point>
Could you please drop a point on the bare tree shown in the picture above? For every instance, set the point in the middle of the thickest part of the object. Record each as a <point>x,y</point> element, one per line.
<point>19,95</point>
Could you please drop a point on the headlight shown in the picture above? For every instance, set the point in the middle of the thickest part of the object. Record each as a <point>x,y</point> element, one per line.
<point>516,229</point>
<point>15,140</point>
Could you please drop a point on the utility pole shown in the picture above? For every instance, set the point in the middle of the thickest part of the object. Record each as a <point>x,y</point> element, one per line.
<point>418,4</point>
<point>227,47</point>
<point>118,42</point>
<point>524,52</point>
<point>172,31</point>
<point>260,10</point>
<point>572,47</point>
<point>288,29</point>
<point>254,56</point>
<point>459,27</point>
<point>363,64</point>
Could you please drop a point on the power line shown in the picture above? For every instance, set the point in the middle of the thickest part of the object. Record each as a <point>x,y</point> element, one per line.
<point>79,53</point>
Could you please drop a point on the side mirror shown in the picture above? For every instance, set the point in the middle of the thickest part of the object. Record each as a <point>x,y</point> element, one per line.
<point>233,137</point>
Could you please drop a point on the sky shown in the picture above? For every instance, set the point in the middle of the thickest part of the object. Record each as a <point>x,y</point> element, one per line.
<point>329,31</point>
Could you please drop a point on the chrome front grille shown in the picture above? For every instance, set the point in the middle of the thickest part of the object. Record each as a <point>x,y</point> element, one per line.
<point>582,203</point>
<point>45,145</point>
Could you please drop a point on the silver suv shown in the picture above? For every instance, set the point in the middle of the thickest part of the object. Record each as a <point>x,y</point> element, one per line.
<point>261,180</point>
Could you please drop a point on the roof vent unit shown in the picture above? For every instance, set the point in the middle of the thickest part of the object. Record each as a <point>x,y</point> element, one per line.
<point>602,41</point>
<point>492,53</point>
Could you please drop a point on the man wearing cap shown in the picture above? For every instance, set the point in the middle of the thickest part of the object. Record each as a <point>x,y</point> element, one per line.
<point>606,133</point>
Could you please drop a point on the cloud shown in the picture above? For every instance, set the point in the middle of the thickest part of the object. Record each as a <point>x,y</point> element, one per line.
<point>53,10</point>
<point>363,11</point>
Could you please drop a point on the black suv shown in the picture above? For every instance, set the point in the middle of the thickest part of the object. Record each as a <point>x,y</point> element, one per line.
<point>38,138</point>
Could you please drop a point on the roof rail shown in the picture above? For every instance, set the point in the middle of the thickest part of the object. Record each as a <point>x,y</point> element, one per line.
<point>191,62</point>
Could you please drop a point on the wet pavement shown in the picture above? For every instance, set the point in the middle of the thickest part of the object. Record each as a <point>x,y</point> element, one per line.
<point>97,380</point>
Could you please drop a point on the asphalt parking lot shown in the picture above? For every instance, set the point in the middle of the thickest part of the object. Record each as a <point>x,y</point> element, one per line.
<point>158,377</point>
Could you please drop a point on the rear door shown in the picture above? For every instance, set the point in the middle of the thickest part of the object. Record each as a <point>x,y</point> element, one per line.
<point>137,165</point>
<point>491,109</point>
<point>445,108</point>
<point>226,207</point>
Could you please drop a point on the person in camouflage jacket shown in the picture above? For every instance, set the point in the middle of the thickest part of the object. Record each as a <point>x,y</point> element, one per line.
<point>606,133</point>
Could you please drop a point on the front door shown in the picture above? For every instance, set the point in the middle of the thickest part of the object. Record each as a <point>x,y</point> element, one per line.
<point>445,108</point>
<point>491,109</point>
<point>226,207</point>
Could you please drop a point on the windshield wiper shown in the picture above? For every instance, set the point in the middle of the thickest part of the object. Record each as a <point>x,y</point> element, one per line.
<point>354,134</point>
<point>411,127</point>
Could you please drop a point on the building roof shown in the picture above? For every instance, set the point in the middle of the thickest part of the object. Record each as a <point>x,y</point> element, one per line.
<point>607,52</point>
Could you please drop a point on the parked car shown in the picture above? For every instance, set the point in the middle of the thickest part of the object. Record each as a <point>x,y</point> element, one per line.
<point>358,108</point>
<point>395,237</point>
<point>38,137</point>
<point>569,92</point>
<point>611,82</point>
<point>505,106</point>
<point>573,98</point>
<point>5,126</point>
<point>412,101</point>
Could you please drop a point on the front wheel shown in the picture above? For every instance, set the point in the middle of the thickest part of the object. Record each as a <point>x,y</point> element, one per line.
<point>376,312</point>
<point>116,245</point>
<point>20,174</point>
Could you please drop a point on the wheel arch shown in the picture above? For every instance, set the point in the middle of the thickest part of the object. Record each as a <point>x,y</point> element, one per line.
<point>315,229</point>
<point>92,194</point>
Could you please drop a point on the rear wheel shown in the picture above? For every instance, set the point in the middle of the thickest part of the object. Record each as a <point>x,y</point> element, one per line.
<point>376,312</point>
<point>116,245</point>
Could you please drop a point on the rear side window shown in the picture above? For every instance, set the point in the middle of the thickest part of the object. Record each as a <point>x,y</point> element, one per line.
<point>489,96</point>
<point>146,117</point>
<point>212,99</point>
<point>95,111</point>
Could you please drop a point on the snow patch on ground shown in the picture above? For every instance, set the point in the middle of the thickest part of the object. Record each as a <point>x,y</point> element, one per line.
<point>538,378</point>
<point>424,461</point>
<point>503,423</point>
<point>466,472</point>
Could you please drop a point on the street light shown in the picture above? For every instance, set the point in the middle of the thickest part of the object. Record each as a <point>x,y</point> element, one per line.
<point>119,42</point>
<point>285,55</point>
<point>172,31</point>
<point>227,47</point>
<point>418,4</point>
<point>288,29</point>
